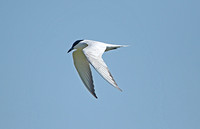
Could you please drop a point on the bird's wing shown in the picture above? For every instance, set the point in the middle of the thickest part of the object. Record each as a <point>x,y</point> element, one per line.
<point>94,55</point>
<point>112,47</point>
<point>83,68</point>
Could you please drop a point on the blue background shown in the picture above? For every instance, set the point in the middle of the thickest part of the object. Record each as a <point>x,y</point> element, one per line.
<point>159,73</point>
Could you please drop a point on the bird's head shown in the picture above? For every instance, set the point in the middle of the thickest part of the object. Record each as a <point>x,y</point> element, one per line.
<point>75,45</point>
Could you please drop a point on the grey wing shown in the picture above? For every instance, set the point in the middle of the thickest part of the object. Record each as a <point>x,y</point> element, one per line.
<point>94,56</point>
<point>83,69</point>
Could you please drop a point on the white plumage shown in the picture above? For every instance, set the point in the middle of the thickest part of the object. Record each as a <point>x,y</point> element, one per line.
<point>90,52</point>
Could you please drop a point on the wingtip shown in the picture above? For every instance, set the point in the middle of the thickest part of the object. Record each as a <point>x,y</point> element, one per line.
<point>93,93</point>
<point>95,96</point>
<point>119,89</point>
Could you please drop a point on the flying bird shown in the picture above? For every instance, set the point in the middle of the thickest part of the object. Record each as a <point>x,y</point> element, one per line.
<point>89,52</point>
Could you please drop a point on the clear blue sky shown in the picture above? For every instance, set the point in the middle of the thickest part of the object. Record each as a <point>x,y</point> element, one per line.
<point>159,73</point>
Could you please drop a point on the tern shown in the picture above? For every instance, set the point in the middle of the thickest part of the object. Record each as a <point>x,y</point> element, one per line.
<point>89,52</point>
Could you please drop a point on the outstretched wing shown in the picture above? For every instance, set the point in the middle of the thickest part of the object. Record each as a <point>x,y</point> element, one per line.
<point>94,54</point>
<point>83,68</point>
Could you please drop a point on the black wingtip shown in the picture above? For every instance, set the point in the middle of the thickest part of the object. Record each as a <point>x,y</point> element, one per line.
<point>95,96</point>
